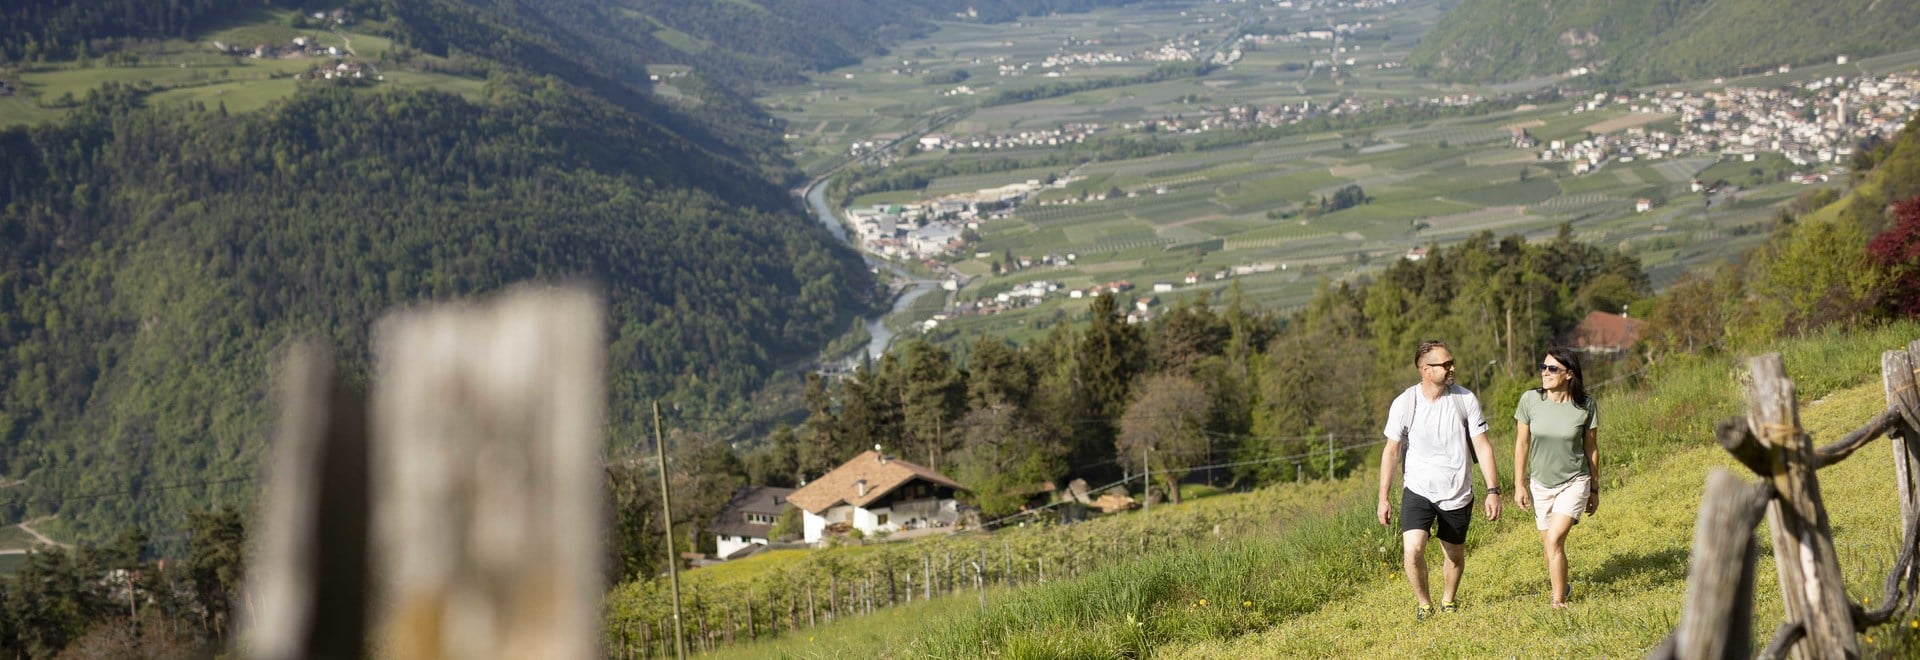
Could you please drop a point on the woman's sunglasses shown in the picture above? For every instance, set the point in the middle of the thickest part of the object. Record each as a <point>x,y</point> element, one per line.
<point>1552,368</point>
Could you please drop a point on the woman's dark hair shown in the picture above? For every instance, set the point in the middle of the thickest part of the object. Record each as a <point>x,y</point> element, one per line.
<point>1576,385</point>
<point>1426,347</point>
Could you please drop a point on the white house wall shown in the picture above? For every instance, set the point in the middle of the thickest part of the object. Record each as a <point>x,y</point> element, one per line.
<point>727,544</point>
<point>868,520</point>
<point>815,527</point>
<point>812,526</point>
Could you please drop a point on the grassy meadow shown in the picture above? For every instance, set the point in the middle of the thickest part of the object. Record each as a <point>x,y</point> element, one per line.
<point>1303,571</point>
<point>189,70</point>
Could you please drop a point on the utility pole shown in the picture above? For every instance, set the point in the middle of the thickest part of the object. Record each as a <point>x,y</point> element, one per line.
<point>666,510</point>
<point>1146,479</point>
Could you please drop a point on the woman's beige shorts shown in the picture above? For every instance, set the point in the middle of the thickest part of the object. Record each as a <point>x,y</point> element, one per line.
<point>1568,499</point>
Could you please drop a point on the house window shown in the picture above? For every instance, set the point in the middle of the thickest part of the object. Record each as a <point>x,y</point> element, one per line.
<point>883,519</point>
<point>760,518</point>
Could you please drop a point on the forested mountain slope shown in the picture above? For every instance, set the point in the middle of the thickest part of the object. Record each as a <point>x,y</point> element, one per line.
<point>1633,41</point>
<point>156,259</point>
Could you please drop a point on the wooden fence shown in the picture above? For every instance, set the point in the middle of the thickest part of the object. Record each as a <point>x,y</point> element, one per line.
<point>1821,621</point>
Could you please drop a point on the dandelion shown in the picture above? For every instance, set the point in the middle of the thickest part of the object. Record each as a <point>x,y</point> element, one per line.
<point>1247,604</point>
<point>1203,602</point>
<point>1915,624</point>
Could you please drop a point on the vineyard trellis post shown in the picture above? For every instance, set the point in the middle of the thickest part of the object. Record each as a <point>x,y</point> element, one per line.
<point>1821,622</point>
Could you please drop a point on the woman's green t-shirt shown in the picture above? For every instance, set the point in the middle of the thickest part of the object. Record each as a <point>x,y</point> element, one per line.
<point>1558,452</point>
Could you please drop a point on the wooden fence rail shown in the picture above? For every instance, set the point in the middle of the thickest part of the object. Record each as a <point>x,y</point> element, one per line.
<point>1821,621</point>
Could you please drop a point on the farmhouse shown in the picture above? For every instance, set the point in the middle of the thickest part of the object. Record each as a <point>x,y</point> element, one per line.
<point>745,525</point>
<point>876,493</point>
<point>1602,333</point>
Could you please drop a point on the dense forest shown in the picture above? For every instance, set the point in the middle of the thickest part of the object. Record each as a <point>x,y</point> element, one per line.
<point>156,259</point>
<point>1644,41</point>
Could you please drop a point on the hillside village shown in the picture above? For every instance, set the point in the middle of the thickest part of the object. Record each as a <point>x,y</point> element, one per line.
<point>1808,123</point>
<point>341,64</point>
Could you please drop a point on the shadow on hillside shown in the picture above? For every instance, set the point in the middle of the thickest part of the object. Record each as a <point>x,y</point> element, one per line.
<point>1662,566</point>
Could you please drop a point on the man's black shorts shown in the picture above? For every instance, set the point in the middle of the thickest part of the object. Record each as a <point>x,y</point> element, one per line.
<point>1420,513</point>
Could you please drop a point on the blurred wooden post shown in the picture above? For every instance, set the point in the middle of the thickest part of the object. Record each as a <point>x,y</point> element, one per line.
<point>1718,619</point>
<point>486,477</point>
<point>1809,572</point>
<point>310,575</point>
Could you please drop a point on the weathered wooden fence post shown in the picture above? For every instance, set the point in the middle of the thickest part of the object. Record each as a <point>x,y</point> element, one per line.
<point>311,576</point>
<point>456,512</point>
<point>487,482</point>
<point>1718,619</point>
<point>1810,582</point>
<point>1899,371</point>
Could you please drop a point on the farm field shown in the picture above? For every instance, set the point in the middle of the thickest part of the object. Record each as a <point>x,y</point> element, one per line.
<point>1252,205</point>
<point>190,70</point>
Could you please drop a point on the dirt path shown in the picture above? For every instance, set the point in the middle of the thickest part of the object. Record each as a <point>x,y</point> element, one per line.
<point>24,526</point>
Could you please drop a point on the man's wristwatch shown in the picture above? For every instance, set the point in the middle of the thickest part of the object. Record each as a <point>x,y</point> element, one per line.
<point>1493,490</point>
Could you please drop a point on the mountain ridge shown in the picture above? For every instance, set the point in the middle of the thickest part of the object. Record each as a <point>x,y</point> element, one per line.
<point>1648,41</point>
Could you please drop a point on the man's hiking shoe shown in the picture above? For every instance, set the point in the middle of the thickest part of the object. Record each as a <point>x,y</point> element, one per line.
<point>1449,607</point>
<point>1421,612</point>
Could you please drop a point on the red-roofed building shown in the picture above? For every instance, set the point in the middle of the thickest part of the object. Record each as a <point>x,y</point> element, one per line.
<point>877,493</point>
<point>1605,334</point>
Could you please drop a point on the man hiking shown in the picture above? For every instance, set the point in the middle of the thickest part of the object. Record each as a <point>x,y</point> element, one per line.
<point>1430,424</point>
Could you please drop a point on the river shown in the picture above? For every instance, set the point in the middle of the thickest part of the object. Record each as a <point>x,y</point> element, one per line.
<point>880,335</point>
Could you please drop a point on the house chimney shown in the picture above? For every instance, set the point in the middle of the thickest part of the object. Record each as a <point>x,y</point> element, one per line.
<point>879,455</point>
<point>860,488</point>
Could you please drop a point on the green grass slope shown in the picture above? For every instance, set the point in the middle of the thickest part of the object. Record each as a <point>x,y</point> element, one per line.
<point>1327,583</point>
<point>1656,40</point>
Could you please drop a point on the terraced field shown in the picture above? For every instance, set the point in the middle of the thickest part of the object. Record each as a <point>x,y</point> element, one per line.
<point>1212,205</point>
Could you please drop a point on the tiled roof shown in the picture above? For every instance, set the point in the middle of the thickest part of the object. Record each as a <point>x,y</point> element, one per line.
<point>881,474</point>
<point>765,500</point>
<point>1601,330</point>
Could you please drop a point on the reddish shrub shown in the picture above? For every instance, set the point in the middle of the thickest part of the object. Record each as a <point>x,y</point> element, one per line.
<point>1897,252</point>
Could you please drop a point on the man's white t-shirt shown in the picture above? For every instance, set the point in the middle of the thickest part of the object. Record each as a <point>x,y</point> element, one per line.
<point>1437,465</point>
